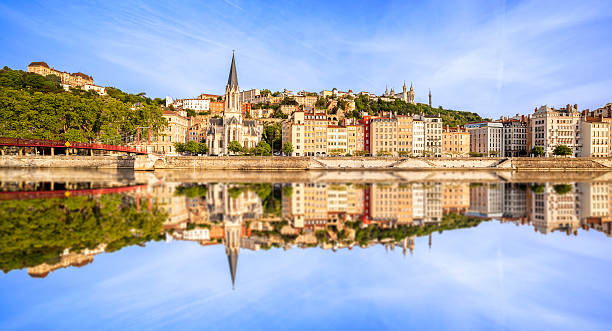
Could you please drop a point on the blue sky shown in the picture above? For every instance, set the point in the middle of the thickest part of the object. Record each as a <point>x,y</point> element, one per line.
<point>495,276</point>
<point>492,57</point>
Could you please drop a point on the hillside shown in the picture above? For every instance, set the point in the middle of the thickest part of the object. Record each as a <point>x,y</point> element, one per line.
<point>33,106</point>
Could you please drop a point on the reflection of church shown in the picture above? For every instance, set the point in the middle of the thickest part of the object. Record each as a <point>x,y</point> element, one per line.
<point>232,212</point>
<point>232,126</point>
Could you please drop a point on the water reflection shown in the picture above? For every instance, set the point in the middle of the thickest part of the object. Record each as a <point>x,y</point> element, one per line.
<point>48,225</point>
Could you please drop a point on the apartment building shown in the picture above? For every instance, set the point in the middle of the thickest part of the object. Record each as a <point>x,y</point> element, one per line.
<point>176,131</point>
<point>383,137</point>
<point>354,139</point>
<point>486,138</point>
<point>337,140</point>
<point>418,137</point>
<point>595,137</point>
<point>455,142</point>
<point>404,135</point>
<point>515,136</point>
<point>551,127</point>
<point>307,133</point>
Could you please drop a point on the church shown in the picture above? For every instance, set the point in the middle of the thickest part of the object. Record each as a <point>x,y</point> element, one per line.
<point>406,95</point>
<point>232,126</point>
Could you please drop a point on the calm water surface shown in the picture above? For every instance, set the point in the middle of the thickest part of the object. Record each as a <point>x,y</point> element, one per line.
<point>107,250</point>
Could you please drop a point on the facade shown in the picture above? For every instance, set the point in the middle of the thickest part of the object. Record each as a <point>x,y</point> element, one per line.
<point>307,133</point>
<point>232,126</point>
<point>486,138</point>
<point>248,96</point>
<point>455,142</point>
<point>354,139</point>
<point>77,79</point>
<point>551,127</point>
<point>595,137</point>
<point>337,140</point>
<point>433,134</point>
<point>383,137</point>
<point>515,137</point>
<point>404,135</point>
<point>175,132</point>
<point>199,105</point>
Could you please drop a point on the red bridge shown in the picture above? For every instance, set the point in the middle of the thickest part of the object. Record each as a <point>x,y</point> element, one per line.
<point>39,143</point>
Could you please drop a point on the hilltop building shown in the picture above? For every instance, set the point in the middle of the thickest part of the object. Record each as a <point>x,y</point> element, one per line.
<point>77,79</point>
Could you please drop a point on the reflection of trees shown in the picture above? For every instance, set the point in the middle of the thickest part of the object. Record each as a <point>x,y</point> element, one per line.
<point>39,230</point>
<point>562,188</point>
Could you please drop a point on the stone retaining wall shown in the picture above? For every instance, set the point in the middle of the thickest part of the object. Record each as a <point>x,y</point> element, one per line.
<point>271,163</point>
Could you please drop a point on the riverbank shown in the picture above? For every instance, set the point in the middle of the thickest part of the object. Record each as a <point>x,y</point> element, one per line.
<point>274,163</point>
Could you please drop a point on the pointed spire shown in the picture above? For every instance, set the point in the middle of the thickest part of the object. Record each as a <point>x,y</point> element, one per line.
<point>232,80</point>
<point>411,86</point>
<point>232,258</point>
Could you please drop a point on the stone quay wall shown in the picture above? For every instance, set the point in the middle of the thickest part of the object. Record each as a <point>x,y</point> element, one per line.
<point>272,163</point>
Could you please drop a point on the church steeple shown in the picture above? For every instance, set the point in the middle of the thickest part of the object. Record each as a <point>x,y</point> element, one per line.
<point>232,80</point>
<point>232,107</point>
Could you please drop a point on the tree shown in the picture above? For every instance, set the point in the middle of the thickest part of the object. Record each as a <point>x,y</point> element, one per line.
<point>562,150</point>
<point>537,151</point>
<point>191,113</point>
<point>180,147</point>
<point>192,147</point>
<point>203,148</point>
<point>562,189</point>
<point>234,147</point>
<point>287,148</point>
<point>263,149</point>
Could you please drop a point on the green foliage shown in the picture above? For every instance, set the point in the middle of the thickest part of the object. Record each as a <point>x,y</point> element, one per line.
<point>287,190</point>
<point>33,106</point>
<point>273,135</point>
<point>450,221</point>
<point>475,154</point>
<point>191,113</point>
<point>234,147</point>
<point>321,103</point>
<point>537,151</point>
<point>537,188</point>
<point>287,148</point>
<point>449,117</point>
<point>192,190</point>
<point>562,150</point>
<point>562,189</point>
<point>265,92</point>
<point>38,230</point>
<point>263,149</point>
<point>289,101</point>
<point>192,147</point>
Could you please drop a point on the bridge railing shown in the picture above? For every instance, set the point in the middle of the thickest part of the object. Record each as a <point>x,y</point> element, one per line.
<point>21,142</point>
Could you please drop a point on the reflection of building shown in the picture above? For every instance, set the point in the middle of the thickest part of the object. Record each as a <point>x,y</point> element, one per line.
<point>486,200</point>
<point>554,207</point>
<point>455,198</point>
<point>515,201</point>
<point>67,259</point>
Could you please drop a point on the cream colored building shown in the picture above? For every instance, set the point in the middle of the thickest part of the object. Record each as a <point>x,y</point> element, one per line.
<point>307,133</point>
<point>595,137</point>
<point>553,127</point>
<point>354,139</point>
<point>175,132</point>
<point>404,135</point>
<point>383,136</point>
<point>455,142</point>
<point>78,79</point>
<point>336,140</point>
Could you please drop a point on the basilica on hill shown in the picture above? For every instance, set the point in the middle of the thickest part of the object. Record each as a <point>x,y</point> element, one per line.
<point>232,126</point>
<point>406,95</point>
